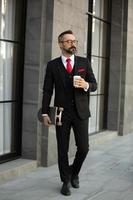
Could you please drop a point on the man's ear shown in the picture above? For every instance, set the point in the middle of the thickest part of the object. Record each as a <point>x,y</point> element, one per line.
<point>60,45</point>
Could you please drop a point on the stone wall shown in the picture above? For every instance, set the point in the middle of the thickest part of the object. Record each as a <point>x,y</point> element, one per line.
<point>128,104</point>
<point>70,14</point>
<point>38,44</point>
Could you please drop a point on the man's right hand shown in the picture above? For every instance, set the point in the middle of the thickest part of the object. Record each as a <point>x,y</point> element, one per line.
<point>46,120</point>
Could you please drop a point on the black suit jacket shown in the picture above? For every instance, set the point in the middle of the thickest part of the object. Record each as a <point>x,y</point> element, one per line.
<point>54,77</point>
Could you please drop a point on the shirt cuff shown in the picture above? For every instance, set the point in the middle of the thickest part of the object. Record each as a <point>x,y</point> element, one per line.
<point>44,115</point>
<point>87,87</point>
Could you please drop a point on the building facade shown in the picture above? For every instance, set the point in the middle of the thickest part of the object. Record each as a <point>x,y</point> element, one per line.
<point>28,40</point>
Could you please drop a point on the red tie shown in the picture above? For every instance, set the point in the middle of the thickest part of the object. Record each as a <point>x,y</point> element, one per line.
<point>68,66</point>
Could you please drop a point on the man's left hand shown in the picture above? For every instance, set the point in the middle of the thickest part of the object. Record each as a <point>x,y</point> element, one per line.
<point>81,83</point>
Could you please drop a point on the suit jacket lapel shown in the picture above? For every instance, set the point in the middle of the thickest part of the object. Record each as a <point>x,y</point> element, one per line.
<point>61,69</point>
<point>75,65</point>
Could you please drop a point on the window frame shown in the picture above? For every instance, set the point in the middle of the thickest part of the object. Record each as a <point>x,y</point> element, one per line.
<point>16,132</point>
<point>107,21</point>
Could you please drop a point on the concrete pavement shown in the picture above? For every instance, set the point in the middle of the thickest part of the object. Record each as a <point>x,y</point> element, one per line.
<point>107,174</point>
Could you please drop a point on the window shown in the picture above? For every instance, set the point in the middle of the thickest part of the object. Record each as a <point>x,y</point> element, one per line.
<point>98,53</point>
<point>11,50</point>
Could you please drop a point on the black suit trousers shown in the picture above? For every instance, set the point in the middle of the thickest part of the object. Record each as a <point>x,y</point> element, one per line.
<point>70,120</point>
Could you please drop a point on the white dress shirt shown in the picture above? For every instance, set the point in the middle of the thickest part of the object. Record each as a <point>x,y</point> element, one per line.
<point>63,58</point>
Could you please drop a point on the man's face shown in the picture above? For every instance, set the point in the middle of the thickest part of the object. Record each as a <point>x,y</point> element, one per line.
<point>68,44</point>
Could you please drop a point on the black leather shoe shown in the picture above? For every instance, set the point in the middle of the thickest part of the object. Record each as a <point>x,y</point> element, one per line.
<point>65,190</point>
<point>75,181</point>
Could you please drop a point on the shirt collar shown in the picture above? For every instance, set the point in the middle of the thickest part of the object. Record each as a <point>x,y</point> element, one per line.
<point>64,58</point>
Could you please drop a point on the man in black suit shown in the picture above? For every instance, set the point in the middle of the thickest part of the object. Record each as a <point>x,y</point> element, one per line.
<point>73,97</point>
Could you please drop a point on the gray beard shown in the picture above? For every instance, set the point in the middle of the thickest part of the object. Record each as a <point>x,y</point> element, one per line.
<point>71,51</point>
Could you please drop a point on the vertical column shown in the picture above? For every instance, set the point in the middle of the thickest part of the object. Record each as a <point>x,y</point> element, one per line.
<point>43,133</point>
<point>117,63</point>
<point>37,53</point>
<point>126,123</point>
<point>31,78</point>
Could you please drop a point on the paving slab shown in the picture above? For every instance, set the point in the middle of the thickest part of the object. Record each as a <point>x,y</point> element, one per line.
<point>107,174</point>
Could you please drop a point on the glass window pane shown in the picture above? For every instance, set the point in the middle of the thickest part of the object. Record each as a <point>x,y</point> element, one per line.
<point>104,9</point>
<point>7,65</point>
<point>103,39</point>
<point>93,118</point>
<point>95,37</point>
<point>100,112</point>
<point>96,7</point>
<point>101,76</point>
<point>5,127</point>
<point>100,8</point>
<point>1,129</point>
<point>7,19</point>
<point>94,63</point>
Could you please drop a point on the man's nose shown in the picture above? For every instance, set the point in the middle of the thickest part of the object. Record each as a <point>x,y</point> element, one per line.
<point>73,44</point>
